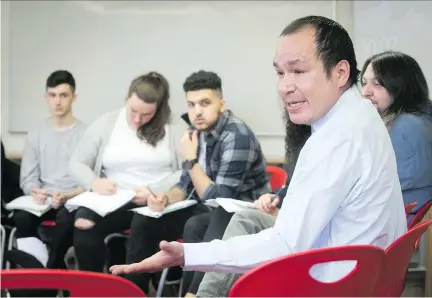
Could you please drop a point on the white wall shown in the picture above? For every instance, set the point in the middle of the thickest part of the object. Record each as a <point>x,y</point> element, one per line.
<point>273,145</point>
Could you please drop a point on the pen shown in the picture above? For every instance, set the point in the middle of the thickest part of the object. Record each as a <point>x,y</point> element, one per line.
<point>277,193</point>
<point>151,192</point>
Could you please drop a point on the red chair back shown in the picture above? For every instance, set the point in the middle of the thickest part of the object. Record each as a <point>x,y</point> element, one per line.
<point>289,276</point>
<point>409,208</point>
<point>398,256</point>
<point>278,177</point>
<point>421,213</point>
<point>78,283</point>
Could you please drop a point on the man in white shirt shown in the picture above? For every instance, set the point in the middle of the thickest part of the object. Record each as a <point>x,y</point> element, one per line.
<point>344,190</point>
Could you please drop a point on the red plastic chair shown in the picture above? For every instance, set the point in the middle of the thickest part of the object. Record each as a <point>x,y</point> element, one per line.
<point>48,223</point>
<point>409,208</point>
<point>78,283</point>
<point>398,256</point>
<point>420,214</point>
<point>289,276</point>
<point>278,177</point>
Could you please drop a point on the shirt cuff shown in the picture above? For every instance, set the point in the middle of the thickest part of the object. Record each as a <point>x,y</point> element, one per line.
<point>202,256</point>
<point>210,192</point>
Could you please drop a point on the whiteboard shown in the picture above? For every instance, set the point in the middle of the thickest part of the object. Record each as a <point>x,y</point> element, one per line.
<point>105,44</point>
<point>394,25</point>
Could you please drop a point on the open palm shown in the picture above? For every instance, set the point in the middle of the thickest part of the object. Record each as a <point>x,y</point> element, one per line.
<point>170,255</point>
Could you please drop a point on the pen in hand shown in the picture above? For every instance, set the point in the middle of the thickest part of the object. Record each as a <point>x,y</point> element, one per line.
<point>277,193</point>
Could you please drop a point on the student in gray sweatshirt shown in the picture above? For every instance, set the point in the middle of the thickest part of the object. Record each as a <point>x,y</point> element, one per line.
<point>44,166</point>
<point>132,148</point>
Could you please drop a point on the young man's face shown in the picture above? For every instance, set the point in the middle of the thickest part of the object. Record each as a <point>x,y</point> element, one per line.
<point>306,90</point>
<point>60,99</point>
<point>204,108</point>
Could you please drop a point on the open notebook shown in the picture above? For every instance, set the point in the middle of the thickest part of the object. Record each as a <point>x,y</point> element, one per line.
<point>230,205</point>
<point>26,203</point>
<point>101,204</point>
<point>171,208</point>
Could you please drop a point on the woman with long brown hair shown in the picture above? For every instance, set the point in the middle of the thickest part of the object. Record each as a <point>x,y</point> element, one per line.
<point>132,148</point>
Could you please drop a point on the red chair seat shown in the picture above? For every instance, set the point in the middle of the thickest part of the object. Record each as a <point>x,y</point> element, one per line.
<point>289,276</point>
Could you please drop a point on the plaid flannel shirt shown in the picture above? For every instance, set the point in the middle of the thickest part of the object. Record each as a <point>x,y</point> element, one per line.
<point>234,163</point>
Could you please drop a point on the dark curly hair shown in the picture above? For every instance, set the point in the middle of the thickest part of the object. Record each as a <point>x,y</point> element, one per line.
<point>203,80</point>
<point>295,138</point>
<point>153,88</point>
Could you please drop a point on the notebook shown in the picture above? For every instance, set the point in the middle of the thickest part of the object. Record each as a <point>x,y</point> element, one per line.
<point>101,204</point>
<point>171,208</point>
<point>26,203</point>
<point>230,205</point>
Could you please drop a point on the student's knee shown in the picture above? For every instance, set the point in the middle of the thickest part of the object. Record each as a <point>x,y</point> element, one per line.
<point>141,224</point>
<point>246,215</point>
<point>26,224</point>
<point>83,224</point>
<point>194,229</point>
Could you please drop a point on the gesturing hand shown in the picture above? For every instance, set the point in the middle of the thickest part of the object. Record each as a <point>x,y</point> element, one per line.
<point>170,255</point>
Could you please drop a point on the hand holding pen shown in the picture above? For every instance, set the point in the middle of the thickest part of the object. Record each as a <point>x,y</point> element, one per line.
<point>268,203</point>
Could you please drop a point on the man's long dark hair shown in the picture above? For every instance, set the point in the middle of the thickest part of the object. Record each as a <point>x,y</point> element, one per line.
<point>295,138</point>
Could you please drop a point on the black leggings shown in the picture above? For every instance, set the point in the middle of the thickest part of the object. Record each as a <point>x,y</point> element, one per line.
<point>90,248</point>
<point>27,224</point>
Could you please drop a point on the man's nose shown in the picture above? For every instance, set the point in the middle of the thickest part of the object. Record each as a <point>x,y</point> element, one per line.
<point>198,110</point>
<point>366,91</point>
<point>287,84</point>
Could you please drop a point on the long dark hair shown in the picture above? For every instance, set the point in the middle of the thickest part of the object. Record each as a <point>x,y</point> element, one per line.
<point>153,88</point>
<point>403,78</point>
<point>296,136</point>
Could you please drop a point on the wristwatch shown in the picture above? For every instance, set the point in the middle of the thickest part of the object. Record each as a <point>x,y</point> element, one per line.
<point>189,164</point>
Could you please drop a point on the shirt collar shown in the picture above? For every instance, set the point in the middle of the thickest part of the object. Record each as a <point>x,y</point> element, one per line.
<point>346,95</point>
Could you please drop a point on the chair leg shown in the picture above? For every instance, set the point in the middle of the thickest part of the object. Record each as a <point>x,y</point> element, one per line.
<point>181,288</point>
<point>161,284</point>
<point>11,243</point>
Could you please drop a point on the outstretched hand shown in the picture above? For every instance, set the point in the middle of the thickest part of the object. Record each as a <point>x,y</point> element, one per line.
<point>170,255</point>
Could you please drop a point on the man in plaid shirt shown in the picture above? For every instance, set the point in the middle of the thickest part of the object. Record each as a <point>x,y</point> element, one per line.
<point>221,158</point>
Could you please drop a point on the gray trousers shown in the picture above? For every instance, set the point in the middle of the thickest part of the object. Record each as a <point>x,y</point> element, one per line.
<point>245,222</point>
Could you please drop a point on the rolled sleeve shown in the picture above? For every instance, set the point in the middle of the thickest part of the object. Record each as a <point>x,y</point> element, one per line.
<point>184,182</point>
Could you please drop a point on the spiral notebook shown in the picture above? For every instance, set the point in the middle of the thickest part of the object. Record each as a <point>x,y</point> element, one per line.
<point>146,211</point>
<point>101,204</point>
<point>230,205</point>
<point>27,203</point>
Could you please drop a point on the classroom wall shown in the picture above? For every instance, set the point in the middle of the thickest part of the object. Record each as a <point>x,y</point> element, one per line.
<point>273,144</point>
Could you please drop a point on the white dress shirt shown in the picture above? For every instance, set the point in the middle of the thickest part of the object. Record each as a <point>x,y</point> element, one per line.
<point>344,191</point>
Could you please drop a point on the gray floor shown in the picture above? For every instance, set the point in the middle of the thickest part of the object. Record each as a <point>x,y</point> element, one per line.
<point>414,286</point>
